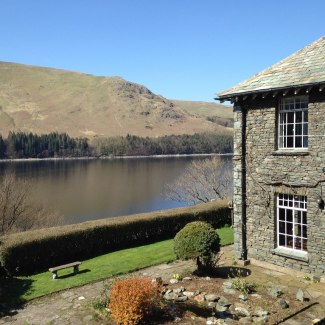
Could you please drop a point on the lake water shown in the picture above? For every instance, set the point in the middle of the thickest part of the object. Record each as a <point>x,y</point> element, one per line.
<point>84,190</point>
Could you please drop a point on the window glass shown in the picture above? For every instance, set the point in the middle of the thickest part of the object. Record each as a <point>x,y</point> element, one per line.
<point>292,226</point>
<point>293,123</point>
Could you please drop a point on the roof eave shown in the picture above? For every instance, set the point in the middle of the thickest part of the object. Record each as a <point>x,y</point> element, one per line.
<point>306,86</point>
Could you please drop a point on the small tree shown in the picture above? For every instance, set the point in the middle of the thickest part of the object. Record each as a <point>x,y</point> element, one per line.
<point>17,211</point>
<point>198,241</point>
<point>202,181</point>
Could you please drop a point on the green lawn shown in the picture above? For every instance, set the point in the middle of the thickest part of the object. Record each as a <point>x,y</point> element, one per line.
<point>226,236</point>
<point>20,289</point>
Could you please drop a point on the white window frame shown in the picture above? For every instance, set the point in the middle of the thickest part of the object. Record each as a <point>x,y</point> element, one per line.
<point>292,231</point>
<point>293,123</point>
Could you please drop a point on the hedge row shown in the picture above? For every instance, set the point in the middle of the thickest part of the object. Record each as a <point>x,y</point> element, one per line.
<point>34,251</point>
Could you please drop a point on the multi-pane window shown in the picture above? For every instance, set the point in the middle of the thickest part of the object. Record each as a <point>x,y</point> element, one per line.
<point>292,221</point>
<point>293,123</point>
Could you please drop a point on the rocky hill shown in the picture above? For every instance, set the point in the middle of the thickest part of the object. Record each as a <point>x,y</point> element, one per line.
<point>42,100</point>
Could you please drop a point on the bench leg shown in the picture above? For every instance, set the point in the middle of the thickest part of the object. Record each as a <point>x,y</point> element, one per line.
<point>76,269</point>
<point>55,275</point>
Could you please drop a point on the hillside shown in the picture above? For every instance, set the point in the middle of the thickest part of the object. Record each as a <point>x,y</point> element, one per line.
<point>213,112</point>
<point>42,100</point>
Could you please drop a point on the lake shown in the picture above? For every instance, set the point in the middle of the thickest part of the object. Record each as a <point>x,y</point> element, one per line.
<point>85,190</point>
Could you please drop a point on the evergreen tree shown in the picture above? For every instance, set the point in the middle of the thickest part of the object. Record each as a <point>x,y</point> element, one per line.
<point>2,148</point>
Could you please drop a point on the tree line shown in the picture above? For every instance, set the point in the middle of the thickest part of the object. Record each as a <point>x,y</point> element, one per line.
<point>131,145</point>
<point>29,145</point>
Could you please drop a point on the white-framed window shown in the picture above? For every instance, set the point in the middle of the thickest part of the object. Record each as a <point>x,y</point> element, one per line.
<point>293,123</point>
<point>292,222</point>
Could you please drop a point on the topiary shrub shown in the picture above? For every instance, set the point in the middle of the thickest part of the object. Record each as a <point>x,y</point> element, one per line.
<point>132,299</point>
<point>197,240</point>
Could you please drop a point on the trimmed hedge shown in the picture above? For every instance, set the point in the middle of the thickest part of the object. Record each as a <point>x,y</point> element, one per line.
<point>34,251</point>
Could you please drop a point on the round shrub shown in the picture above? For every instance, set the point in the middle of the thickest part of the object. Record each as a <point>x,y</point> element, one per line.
<point>132,299</point>
<point>197,240</point>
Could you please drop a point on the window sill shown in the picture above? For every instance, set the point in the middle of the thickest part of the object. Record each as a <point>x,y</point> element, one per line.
<point>291,253</point>
<point>292,152</point>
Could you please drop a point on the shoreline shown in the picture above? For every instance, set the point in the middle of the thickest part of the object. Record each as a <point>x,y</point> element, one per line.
<point>114,157</point>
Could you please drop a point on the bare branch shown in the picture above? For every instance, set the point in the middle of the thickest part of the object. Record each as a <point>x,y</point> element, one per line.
<point>203,181</point>
<point>17,211</point>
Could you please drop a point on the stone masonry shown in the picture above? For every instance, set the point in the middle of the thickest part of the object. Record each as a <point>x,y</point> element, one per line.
<point>269,171</point>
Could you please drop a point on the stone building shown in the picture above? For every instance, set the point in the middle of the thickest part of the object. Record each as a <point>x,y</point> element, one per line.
<point>279,162</point>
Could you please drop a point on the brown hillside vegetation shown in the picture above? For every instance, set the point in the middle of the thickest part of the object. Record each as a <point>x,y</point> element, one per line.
<point>216,113</point>
<point>43,100</point>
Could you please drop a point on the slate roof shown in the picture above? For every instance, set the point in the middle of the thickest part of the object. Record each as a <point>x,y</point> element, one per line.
<point>303,68</point>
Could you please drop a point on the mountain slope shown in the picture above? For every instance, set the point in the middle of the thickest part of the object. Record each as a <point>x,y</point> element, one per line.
<point>213,112</point>
<point>42,100</point>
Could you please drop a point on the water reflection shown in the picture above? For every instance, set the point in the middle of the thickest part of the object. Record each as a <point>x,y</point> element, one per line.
<point>91,189</point>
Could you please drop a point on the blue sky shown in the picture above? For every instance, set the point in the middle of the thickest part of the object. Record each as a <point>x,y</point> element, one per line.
<point>183,49</point>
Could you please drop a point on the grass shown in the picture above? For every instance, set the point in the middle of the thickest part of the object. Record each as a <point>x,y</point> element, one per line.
<point>22,289</point>
<point>226,235</point>
<point>124,261</point>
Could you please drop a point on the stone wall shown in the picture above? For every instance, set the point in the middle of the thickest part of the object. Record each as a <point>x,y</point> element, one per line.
<point>270,171</point>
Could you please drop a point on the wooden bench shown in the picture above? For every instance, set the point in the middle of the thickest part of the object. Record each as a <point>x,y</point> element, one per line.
<point>55,270</point>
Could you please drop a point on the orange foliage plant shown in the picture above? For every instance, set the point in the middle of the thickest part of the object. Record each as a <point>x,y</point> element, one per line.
<point>132,299</point>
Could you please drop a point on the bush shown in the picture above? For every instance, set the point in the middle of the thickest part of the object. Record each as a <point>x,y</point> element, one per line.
<point>243,286</point>
<point>34,251</point>
<point>132,299</point>
<point>197,240</point>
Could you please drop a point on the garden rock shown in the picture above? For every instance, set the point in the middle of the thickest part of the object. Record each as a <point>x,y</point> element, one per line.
<point>212,304</point>
<point>275,291</point>
<point>212,321</point>
<point>259,312</point>
<point>242,312</point>
<point>229,291</point>
<point>189,294</point>
<point>221,309</point>
<point>224,302</point>
<point>282,303</point>
<point>301,296</point>
<point>199,297</point>
<point>211,297</point>
<point>181,298</point>
<point>187,278</point>
<point>173,281</point>
<point>170,296</point>
<point>221,322</point>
